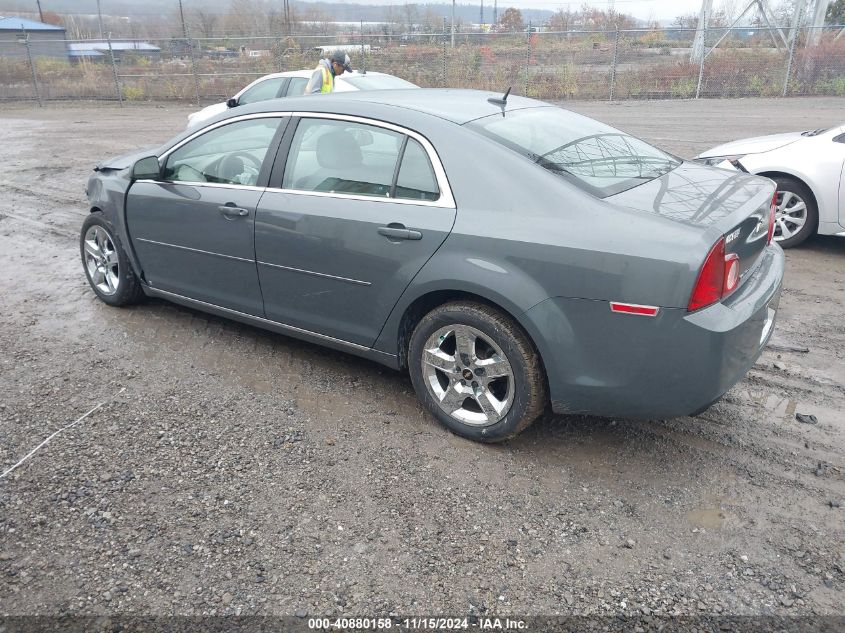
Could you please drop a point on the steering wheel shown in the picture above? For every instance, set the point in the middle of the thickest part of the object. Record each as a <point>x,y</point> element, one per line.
<point>234,164</point>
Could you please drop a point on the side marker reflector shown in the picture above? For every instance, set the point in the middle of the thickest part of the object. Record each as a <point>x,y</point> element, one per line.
<point>633,308</point>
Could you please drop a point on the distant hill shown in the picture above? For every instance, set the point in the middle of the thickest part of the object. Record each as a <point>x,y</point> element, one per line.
<point>340,11</point>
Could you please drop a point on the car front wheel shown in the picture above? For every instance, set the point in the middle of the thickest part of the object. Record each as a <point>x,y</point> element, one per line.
<point>796,215</point>
<point>476,371</point>
<point>106,265</point>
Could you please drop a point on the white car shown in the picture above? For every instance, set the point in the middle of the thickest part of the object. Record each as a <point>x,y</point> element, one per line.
<point>292,83</point>
<point>809,169</point>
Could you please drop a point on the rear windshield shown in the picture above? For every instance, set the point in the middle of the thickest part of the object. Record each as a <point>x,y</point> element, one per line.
<point>378,82</point>
<point>595,157</point>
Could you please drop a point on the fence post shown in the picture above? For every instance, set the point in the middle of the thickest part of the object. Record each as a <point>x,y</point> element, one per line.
<point>613,65</point>
<point>703,54</point>
<point>280,54</point>
<point>795,32</point>
<point>114,72</point>
<point>527,62</point>
<point>32,68</point>
<point>363,50</point>
<point>445,54</point>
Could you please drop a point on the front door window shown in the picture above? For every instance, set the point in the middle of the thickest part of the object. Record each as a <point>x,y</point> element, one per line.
<point>231,154</point>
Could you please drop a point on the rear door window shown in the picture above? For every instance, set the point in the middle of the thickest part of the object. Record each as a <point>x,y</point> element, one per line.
<point>342,157</point>
<point>268,89</point>
<point>416,180</point>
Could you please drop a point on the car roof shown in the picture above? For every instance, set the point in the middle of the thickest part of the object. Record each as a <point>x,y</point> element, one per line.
<point>455,105</point>
<point>305,72</point>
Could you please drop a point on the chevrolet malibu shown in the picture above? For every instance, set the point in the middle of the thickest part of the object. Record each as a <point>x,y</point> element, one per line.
<point>511,256</point>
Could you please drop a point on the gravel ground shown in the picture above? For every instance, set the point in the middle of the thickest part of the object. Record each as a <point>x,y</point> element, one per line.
<point>233,471</point>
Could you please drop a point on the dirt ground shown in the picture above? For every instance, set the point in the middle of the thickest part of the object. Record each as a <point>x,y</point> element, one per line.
<point>231,470</point>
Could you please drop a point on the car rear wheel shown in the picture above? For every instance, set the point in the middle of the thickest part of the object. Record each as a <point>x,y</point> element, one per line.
<point>106,265</point>
<point>796,216</point>
<point>476,371</point>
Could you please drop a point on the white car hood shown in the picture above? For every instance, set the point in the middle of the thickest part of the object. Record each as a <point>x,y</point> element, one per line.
<point>756,145</point>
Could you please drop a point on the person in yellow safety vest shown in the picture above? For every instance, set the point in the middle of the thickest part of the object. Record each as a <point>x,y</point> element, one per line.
<point>322,80</point>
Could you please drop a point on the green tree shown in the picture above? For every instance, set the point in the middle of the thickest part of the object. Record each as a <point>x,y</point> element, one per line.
<point>836,12</point>
<point>511,20</point>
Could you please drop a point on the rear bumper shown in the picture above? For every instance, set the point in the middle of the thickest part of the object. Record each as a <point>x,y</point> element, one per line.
<point>608,364</point>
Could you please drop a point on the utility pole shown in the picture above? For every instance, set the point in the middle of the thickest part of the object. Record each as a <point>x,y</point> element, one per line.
<point>99,19</point>
<point>40,12</point>
<point>698,51</point>
<point>191,52</point>
<point>818,22</point>
<point>481,16</point>
<point>495,12</point>
<point>800,5</point>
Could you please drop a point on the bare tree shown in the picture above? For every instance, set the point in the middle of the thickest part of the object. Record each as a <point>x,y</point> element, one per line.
<point>562,20</point>
<point>204,21</point>
<point>687,21</point>
<point>411,16</point>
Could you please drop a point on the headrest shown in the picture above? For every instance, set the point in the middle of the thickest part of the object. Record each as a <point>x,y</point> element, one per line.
<point>337,150</point>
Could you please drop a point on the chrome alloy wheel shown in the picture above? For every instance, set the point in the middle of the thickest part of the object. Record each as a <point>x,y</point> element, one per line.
<point>468,375</point>
<point>101,260</point>
<point>790,215</point>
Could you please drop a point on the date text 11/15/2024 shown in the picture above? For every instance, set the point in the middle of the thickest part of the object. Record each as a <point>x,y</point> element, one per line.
<point>417,624</point>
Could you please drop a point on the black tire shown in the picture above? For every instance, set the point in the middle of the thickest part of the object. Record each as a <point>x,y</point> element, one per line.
<point>128,289</point>
<point>529,394</point>
<point>811,224</point>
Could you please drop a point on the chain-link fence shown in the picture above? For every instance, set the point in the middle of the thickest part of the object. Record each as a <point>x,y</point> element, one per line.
<point>608,65</point>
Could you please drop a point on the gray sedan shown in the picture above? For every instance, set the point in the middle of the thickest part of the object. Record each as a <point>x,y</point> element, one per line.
<point>512,256</point>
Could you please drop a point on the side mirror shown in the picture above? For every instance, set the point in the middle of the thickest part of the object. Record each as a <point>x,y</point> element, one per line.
<point>232,103</point>
<point>146,169</point>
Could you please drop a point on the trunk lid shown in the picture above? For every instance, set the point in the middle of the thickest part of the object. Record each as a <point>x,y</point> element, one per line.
<point>721,202</point>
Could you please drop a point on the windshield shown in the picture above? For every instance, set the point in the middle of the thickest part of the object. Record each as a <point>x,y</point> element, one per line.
<point>590,154</point>
<point>378,82</point>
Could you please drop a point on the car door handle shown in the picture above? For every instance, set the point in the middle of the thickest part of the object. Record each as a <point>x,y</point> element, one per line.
<point>399,232</point>
<point>232,211</point>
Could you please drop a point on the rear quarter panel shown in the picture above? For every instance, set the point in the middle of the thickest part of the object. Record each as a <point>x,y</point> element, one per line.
<point>527,237</point>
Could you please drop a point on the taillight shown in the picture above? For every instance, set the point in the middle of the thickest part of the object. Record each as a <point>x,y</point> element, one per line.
<point>718,277</point>
<point>772,211</point>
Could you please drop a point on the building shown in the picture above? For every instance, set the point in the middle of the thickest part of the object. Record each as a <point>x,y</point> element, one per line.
<point>99,51</point>
<point>46,40</point>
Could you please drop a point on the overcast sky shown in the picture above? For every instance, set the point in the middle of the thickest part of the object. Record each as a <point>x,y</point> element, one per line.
<point>642,9</point>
